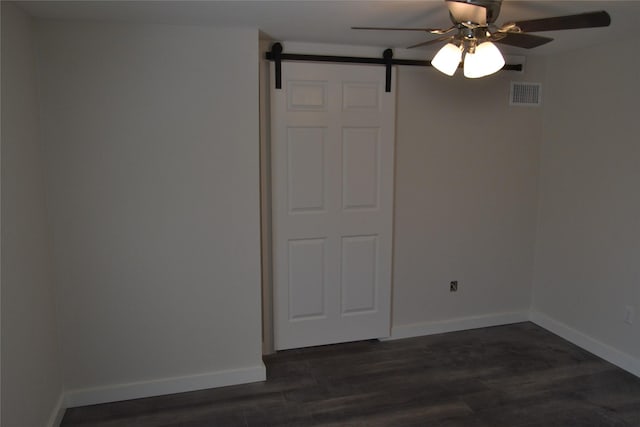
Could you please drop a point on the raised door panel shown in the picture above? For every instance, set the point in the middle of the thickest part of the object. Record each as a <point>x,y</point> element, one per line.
<point>306,279</point>
<point>307,95</point>
<point>359,274</point>
<point>359,96</point>
<point>305,169</point>
<point>360,168</point>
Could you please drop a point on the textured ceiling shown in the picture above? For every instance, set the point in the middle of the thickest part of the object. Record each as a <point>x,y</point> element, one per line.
<point>330,21</point>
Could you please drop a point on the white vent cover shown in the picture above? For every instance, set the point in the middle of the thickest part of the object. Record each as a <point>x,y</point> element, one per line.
<point>525,94</point>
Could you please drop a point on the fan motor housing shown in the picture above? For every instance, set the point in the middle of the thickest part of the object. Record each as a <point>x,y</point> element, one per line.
<point>492,7</point>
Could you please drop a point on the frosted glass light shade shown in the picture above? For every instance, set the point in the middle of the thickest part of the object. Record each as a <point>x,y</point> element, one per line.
<point>447,59</point>
<point>486,60</point>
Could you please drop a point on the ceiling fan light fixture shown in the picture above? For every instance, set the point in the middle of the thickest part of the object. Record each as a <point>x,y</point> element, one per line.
<point>447,59</point>
<point>486,60</point>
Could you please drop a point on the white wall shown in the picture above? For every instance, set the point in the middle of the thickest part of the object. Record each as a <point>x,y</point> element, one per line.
<point>151,138</point>
<point>465,201</point>
<point>31,375</point>
<point>587,266</point>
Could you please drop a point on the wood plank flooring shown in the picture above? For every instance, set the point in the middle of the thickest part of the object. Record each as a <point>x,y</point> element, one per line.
<point>514,376</point>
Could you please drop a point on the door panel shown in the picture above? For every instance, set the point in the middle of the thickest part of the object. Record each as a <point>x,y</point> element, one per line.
<point>359,260</point>
<point>332,197</point>
<point>360,96</point>
<point>360,153</point>
<point>305,163</point>
<point>306,279</point>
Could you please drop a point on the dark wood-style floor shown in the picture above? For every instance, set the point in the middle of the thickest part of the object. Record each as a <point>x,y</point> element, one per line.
<point>516,376</point>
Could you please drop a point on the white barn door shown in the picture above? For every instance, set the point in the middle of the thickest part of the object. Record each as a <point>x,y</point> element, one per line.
<point>332,139</point>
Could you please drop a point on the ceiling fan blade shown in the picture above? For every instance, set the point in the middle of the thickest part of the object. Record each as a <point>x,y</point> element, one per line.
<point>428,42</point>
<point>428,30</point>
<point>527,41</point>
<point>569,22</point>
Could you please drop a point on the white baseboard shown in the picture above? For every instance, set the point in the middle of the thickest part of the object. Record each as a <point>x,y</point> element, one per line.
<point>165,386</point>
<point>58,412</point>
<point>136,390</point>
<point>459,324</point>
<point>602,350</point>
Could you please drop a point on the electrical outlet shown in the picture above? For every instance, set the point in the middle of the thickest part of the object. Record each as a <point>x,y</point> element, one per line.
<point>453,286</point>
<point>629,314</point>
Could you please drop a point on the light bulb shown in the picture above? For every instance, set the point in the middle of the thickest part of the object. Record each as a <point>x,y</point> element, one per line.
<point>447,59</point>
<point>486,60</point>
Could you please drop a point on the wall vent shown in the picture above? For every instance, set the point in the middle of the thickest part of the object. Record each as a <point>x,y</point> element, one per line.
<point>526,94</point>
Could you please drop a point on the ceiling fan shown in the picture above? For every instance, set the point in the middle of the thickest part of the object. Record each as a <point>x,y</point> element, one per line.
<point>474,31</point>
